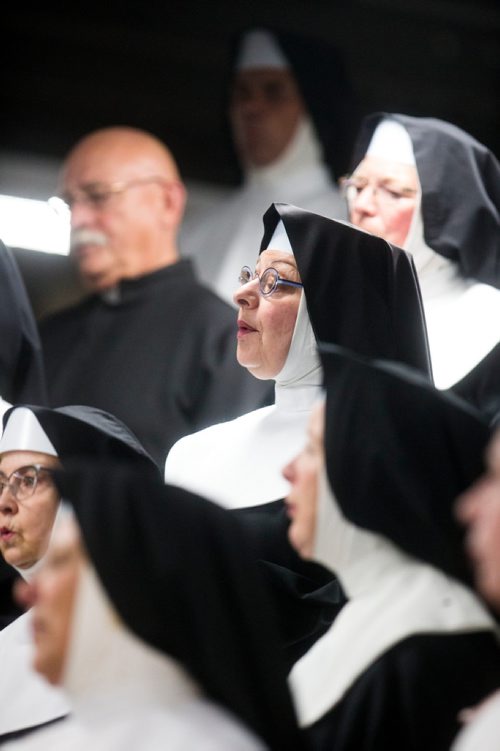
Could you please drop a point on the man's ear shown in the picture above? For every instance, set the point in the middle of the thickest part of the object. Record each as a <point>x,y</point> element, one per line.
<point>175,196</point>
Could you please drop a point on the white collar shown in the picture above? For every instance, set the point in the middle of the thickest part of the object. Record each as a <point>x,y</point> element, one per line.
<point>302,365</point>
<point>437,275</point>
<point>105,659</point>
<point>393,592</point>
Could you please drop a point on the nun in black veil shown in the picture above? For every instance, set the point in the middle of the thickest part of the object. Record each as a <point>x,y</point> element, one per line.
<point>171,640</point>
<point>372,498</point>
<point>35,441</point>
<point>333,282</point>
<point>432,189</point>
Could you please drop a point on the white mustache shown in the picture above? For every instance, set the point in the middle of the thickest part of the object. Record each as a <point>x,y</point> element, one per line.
<point>83,236</point>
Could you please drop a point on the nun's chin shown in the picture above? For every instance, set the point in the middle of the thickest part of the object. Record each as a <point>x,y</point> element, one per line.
<point>260,368</point>
<point>262,373</point>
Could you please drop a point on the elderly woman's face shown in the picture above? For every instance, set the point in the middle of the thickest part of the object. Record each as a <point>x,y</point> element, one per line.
<point>303,473</point>
<point>479,509</point>
<point>266,324</point>
<point>385,198</point>
<point>26,514</point>
<point>52,595</point>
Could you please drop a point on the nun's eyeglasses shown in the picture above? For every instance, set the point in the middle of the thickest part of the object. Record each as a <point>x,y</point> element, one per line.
<point>384,192</point>
<point>23,481</point>
<point>269,280</point>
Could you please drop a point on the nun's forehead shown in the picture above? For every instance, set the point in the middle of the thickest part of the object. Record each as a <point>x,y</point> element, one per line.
<point>387,169</point>
<point>13,459</point>
<point>272,256</point>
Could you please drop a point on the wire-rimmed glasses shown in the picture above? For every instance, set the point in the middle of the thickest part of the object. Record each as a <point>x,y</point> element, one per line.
<point>23,481</point>
<point>385,192</point>
<point>269,280</point>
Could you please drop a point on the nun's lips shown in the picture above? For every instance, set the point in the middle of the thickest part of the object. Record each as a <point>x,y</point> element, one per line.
<point>6,533</point>
<point>244,329</point>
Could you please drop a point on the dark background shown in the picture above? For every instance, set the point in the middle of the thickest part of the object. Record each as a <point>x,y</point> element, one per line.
<point>72,67</point>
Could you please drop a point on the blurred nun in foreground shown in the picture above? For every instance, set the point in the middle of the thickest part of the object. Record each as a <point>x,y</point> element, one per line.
<point>35,442</point>
<point>372,498</point>
<point>158,630</point>
<point>479,510</point>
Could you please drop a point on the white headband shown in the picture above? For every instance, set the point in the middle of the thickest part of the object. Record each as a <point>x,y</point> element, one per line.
<point>280,240</point>
<point>259,50</point>
<point>23,432</point>
<point>390,140</point>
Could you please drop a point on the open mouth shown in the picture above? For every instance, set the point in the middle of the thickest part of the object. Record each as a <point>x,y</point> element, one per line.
<point>6,534</point>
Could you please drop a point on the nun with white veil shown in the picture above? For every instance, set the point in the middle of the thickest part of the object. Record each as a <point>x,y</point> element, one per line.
<point>432,189</point>
<point>364,294</point>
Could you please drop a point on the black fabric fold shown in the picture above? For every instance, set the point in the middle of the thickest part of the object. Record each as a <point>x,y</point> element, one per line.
<point>179,571</point>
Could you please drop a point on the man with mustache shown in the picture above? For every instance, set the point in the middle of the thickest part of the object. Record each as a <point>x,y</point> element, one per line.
<point>150,344</point>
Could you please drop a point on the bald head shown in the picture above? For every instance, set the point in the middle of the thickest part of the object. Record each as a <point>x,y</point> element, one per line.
<point>128,150</point>
<point>127,202</point>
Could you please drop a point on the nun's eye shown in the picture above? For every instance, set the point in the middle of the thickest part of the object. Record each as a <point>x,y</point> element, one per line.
<point>270,281</point>
<point>382,192</point>
<point>24,481</point>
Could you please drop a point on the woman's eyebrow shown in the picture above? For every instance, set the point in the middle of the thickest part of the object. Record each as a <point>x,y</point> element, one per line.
<point>270,263</point>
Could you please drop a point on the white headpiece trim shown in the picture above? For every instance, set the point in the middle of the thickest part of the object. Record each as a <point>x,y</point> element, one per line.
<point>259,50</point>
<point>23,432</point>
<point>390,140</point>
<point>280,239</point>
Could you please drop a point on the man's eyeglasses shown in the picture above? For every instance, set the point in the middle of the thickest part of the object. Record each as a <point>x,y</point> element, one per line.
<point>23,481</point>
<point>385,193</point>
<point>269,280</point>
<point>97,195</point>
